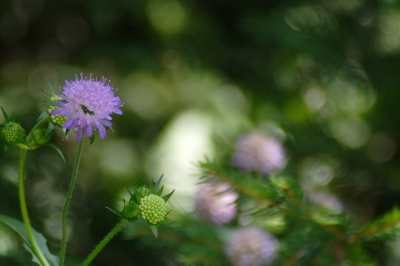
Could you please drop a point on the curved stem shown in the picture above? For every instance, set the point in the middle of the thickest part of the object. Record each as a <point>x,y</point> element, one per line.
<point>104,242</point>
<point>24,210</point>
<point>66,205</point>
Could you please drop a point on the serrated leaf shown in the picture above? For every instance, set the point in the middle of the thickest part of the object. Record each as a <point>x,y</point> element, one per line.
<point>20,229</point>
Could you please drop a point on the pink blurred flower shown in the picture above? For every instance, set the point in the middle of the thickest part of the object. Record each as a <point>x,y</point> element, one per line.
<point>260,153</point>
<point>251,246</point>
<point>216,202</point>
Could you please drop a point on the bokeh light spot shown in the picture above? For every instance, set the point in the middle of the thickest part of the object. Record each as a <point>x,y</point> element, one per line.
<point>167,16</point>
<point>352,132</point>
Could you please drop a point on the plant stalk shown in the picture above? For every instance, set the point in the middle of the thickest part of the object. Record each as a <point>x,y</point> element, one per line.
<point>66,205</point>
<point>104,242</point>
<point>24,210</point>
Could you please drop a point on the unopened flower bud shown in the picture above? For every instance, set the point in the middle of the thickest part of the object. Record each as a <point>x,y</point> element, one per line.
<point>131,210</point>
<point>38,137</point>
<point>56,119</point>
<point>12,133</point>
<point>153,209</point>
<point>144,191</point>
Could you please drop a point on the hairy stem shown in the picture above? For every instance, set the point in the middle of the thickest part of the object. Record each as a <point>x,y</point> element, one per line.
<point>66,205</point>
<point>104,242</point>
<point>24,210</point>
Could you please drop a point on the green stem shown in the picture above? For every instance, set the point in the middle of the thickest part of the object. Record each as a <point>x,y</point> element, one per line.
<point>104,242</point>
<point>66,205</point>
<point>24,210</point>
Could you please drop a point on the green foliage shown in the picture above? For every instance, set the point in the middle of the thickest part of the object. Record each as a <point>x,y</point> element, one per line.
<point>321,75</point>
<point>383,228</point>
<point>312,235</point>
<point>19,228</point>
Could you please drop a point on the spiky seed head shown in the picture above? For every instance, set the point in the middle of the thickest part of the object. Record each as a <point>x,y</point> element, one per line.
<point>12,133</point>
<point>153,209</point>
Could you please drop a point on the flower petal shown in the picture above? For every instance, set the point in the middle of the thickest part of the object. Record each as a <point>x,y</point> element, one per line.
<point>79,134</point>
<point>88,131</point>
<point>102,131</point>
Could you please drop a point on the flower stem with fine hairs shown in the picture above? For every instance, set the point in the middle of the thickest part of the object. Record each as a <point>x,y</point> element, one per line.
<point>66,205</point>
<point>24,210</point>
<point>104,242</point>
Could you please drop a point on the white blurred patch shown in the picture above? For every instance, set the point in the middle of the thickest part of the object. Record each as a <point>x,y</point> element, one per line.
<point>185,141</point>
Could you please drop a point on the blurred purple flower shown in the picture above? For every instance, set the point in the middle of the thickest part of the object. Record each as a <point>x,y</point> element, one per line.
<point>216,202</point>
<point>260,153</point>
<point>88,104</point>
<point>251,246</point>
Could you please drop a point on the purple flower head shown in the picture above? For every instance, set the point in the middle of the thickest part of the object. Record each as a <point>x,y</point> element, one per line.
<point>251,246</point>
<point>88,104</point>
<point>260,153</point>
<point>216,202</point>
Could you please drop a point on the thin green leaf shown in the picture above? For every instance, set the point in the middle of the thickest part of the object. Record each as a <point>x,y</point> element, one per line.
<point>160,191</point>
<point>57,149</point>
<point>153,229</point>
<point>166,197</point>
<point>115,212</point>
<point>6,118</point>
<point>130,193</point>
<point>138,195</point>
<point>51,87</point>
<point>43,115</point>
<point>20,229</point>
<point>92,138</point>
<point>157,185</point>
<point>53,103</point>
<point>50,130</point>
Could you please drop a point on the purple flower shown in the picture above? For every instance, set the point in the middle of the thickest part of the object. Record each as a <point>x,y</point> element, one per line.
<point>216,202</point>
<point>88,104</point>
<point>260,153</point>
<point>251,246</point>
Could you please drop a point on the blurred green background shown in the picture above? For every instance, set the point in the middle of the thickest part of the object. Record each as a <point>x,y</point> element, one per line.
<point>322,76</point>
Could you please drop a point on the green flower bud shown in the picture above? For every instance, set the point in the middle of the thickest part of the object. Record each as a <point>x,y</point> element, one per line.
<point>57,119</point>
<point>144,191</point>
<point>153,209</point>
<point>131,210</point>
<point>12,133</point>
<point>38,137</point>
